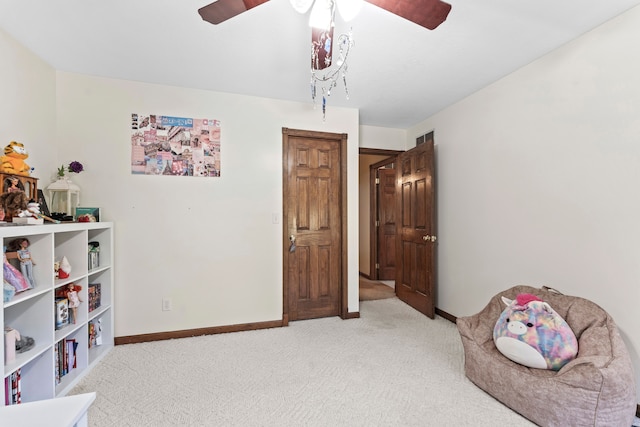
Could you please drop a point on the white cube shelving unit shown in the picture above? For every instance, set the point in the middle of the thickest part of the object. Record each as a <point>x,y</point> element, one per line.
<point>32,312</point>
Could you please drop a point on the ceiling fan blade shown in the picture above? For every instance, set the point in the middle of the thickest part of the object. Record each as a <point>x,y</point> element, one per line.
<point>222,10</point>
<point>426,13</point>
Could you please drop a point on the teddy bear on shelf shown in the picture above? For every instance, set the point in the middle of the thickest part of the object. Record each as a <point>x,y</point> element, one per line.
<point>13,160</point>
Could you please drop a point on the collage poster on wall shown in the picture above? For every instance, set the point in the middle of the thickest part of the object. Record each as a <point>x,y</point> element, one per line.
<point>164,145</point>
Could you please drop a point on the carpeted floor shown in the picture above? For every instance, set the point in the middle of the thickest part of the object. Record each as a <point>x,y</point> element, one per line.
<point>373,290</point>
<point>390,367</point>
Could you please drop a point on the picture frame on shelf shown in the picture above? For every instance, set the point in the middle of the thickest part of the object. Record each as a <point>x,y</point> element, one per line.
<point>84,214</point>
<point>44,209</point>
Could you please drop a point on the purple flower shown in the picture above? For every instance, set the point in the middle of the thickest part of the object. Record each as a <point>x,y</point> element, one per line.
<point>75,167</point>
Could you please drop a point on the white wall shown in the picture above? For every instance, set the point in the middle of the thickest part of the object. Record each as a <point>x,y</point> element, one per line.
<point>382,138</point>
<point>209,244</point>
<point>27,107</point>
<point>539,180</point>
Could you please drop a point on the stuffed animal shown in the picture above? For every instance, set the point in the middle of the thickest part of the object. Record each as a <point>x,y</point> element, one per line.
<point>531,333</point>
<point>13,203</point>
<point>13,159</point>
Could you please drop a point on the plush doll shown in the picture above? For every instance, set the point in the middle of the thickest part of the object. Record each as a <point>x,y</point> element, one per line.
<point>13,203</point>
<point>532,334</point>
<point>13,159</point>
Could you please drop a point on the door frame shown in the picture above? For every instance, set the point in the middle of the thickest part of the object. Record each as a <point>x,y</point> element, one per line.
<point>373,202</point>
<point>341,138</point>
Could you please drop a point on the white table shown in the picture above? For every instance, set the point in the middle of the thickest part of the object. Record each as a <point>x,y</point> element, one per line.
<point>67,411</point>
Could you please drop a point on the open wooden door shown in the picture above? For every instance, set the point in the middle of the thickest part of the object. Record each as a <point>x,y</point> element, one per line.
<point>314,223</point>
<point>416,240</point>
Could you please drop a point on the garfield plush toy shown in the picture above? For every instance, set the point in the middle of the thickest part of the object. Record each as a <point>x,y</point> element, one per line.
<point>13,159</point>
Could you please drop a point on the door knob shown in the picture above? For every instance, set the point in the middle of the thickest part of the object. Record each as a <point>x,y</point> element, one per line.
<point>292,247</point>
<point>426,238</point>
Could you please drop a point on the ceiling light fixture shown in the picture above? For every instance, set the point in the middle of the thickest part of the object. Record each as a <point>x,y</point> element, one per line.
<point>324,76</point>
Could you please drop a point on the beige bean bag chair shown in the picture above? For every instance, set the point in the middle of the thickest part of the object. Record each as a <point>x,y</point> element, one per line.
<point>597,388</point>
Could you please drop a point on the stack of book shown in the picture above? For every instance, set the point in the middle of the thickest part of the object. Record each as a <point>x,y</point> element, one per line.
<point>65,357</point>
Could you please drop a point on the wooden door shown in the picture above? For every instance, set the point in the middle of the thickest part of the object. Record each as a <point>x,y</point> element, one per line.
<point>314,218</point>
<point>386,224</point>
<point>415,250</point>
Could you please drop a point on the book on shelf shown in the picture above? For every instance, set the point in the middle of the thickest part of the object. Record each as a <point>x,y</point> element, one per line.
<point>95,294</point>
<point>13,388</point>
<point>95,333</point>
<point>61,312</point>
<point>65,357</point>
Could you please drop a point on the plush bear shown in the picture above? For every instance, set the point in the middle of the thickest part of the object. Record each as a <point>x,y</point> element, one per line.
<point>531,333</point>
<point>13,160</point>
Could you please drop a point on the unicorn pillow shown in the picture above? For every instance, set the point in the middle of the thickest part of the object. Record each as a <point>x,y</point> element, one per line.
<point>531,333</point>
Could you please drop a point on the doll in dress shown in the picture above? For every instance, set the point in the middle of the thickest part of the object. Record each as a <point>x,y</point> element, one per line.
<point>74,299</point>
<point>21,247</point>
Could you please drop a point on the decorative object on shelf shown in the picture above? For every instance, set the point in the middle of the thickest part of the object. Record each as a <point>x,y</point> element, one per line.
<point>62,312</point>
<point>8,292</point>
<point>95,294</point>
<point>12,276</point>
<point>65,268</point>
<point>13,203</point>
<point>11,336</point>
<point>21,247</point>
<point>94,255</point>
<point>13,160</point>
<point>24,343</point>
<point>64,195</point>
<point>31,215</point>
<point>74,300</point>
<point>43,204</point>
<point>88,214</point>
<point>74,167</point>
<point>95,333</point>
<point>13,182</point>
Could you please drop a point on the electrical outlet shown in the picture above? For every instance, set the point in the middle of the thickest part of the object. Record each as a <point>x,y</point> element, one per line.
<point>166,304</point>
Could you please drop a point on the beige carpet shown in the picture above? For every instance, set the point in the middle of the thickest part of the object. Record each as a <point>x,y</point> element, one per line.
<point>391,367</point>
<point>372,290</point>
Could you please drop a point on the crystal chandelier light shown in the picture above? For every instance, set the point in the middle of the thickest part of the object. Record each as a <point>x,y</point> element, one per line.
<point>327,68</point>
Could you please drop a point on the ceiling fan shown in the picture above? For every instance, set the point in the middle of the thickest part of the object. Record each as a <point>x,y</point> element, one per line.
<point>426,13</point>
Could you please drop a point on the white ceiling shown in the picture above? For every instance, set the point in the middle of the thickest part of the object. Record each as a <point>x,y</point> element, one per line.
<point>399,73</point>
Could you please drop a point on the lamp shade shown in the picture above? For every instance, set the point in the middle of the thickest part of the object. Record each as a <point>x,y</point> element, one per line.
<point>349,8</point>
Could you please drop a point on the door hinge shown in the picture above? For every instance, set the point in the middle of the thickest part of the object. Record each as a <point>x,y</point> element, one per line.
<point>377,223</point>
<point>377,181</point>
<point>377,266</point>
